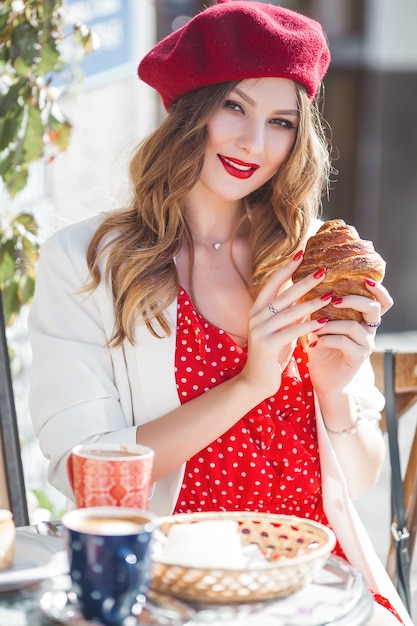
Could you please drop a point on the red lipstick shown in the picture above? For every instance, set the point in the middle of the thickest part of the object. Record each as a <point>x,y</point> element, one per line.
<point>237,168</point>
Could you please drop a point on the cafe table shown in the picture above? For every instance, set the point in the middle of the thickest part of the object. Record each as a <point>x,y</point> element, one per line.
<point>28,594</point>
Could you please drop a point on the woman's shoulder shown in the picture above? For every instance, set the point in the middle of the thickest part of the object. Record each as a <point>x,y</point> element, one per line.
<point>77,234</point>
<point>67,246</point>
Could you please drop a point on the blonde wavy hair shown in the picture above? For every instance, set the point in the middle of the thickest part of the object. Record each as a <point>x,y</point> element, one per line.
<point>136,246</point>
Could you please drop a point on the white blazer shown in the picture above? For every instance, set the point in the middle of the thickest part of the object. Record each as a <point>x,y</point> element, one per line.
<point>82,391</point>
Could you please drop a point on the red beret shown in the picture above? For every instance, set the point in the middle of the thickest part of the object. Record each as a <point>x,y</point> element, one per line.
<point>235,40</point>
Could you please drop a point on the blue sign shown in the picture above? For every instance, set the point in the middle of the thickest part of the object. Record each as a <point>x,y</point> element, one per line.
<point>111,24</point>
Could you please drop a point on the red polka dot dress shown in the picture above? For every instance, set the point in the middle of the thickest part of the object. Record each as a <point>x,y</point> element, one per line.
<point>268,461</point>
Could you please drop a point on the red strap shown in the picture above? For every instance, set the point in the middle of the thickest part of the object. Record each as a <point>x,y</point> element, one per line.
<point>387,604</point>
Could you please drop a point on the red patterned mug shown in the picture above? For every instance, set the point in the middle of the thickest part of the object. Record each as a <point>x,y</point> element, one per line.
<point>110,475</point>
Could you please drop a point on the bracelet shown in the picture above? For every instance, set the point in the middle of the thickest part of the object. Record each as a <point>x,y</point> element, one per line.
<point>354,428</point>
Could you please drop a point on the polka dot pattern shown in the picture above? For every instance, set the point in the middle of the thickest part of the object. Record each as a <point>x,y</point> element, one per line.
<point>268,461</point>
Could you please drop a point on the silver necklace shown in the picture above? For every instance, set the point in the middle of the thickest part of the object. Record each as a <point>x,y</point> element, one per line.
<point>216,245</point>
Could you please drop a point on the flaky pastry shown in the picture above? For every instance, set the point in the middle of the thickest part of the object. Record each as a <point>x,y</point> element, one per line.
<point>7,539</point>
<point>348,260</point>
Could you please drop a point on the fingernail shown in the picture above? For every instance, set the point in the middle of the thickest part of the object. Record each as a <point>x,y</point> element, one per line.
<point>321,272</point>
<point>370,282</point>
<point>313,344</point>
<point>298,255</point>
<point>327,296</point>
<point>323,320</point>
<point>336,301</point>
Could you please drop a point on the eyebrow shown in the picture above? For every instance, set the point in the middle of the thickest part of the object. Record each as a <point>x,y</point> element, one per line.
<point>249,100</point>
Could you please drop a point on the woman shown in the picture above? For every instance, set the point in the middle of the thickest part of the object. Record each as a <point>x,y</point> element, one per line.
<point>174,322</point>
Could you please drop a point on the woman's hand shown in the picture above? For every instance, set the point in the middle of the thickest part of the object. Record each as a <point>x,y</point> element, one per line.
<point>335,355</point>
<point>276,321</point>
<point>337,351</point>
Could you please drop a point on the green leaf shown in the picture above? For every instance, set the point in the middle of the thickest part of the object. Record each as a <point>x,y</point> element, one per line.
<point>9,100</point>
<point>15,179</point>
<point>17,154</point>
<point>5,143</point>
<point>30,39</point>
<point>28,221</point>
<point>28,289</point>
<point>21,67</point>
<point>10,127</point>
<point>27,257</point>
<point>45,503</point>
<point>11,302</point>
<point>83,38</point>
<point>42,499</point>
<point>5,164</point>
<point>59,132</point>
<point>7,267</point>
<point>10,245</point>
<point>25,45</point>
<point>4,17</point>
<point>50,8</point>
<point>50,58</point>
<point>33,137</point>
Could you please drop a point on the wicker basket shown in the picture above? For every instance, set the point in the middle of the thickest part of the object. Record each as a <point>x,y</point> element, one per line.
<point>295,549</point>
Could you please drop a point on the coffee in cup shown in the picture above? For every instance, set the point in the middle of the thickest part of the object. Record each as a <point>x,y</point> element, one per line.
<point>109,550</point>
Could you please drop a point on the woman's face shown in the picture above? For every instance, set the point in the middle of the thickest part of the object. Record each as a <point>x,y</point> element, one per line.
<point>249,137</point>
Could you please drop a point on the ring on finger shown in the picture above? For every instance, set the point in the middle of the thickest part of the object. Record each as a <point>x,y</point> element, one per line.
<point>272,309</point>
<point>373,324</point>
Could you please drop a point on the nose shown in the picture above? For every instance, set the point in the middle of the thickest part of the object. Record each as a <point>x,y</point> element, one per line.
<point>251,138</point>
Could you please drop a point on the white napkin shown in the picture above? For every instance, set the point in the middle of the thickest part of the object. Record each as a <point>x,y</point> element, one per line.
<point>213,544</point>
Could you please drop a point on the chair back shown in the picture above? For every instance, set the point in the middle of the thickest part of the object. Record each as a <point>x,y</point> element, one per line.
<point>404,385</point>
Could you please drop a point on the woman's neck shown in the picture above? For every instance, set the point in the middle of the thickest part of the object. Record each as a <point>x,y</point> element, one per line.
<point>213,226</point>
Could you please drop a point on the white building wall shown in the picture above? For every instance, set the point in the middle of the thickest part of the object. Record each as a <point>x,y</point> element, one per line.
<point>111,112</point>
<point>391,42</point>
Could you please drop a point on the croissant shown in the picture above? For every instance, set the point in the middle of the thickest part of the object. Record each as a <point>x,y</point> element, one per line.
<point>348,260</point>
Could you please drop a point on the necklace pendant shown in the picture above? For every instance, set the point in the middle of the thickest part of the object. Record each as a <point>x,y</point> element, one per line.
<point>217,245</point>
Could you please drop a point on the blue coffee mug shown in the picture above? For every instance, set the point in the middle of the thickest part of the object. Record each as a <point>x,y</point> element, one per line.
<point>109,552</point>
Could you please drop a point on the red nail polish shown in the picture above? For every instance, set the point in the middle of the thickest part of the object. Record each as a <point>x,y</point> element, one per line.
<point>313,344</point>
<point>370,282</point>
<point>327,296</point>
<point>323,320</point>
<point>298,255</point>
<point>321,272</point>
<point>336,301</point>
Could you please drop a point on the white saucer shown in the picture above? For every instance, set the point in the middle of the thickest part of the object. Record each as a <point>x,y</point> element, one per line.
<point>337,596</point>
<point>36,558</point>
<point>62,606</point>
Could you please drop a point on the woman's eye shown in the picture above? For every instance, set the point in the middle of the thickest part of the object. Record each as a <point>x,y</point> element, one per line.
<point>283,123</point>
<point>231,104</point>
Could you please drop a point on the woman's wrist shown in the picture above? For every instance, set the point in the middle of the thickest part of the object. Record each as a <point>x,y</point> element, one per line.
<point>353,429</point>
<point>342,413</point>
